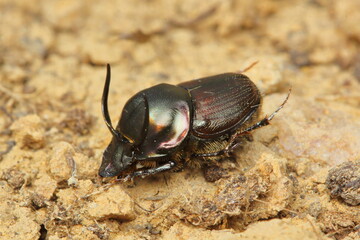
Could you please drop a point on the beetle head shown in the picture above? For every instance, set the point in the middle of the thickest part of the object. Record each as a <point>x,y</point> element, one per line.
<point>118,155</point>
<point>116,158</point>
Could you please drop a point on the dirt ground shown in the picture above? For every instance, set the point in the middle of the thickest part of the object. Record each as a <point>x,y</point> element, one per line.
<point>298,179</point>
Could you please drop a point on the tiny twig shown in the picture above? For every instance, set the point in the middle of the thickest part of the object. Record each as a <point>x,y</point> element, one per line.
<point>140,36</point>
<point>104,187</point>
<point>155,198</point>
<point>14,96</point>
<point>17,97</point>
<point>249,67</point>
<point>146,210</point>
<point>72,180</point>
<point>3,109</point>
<point>10,145</point>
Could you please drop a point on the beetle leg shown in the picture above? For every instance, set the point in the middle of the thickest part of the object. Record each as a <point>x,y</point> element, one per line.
<point>232,141</point>
<point>265,121</point>
<point>214,154</point>
<point>146,172</point>
<point>262,123</point>
<point>230,147</point>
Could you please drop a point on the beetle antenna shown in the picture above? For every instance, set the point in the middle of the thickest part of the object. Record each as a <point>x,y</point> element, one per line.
<point>104,105</point>
<point>248,67</point>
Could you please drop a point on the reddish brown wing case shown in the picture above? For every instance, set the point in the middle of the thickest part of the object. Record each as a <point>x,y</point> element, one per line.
<point>221,103</point>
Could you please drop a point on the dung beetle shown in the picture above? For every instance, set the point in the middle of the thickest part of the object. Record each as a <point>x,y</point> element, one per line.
<point>171,126</point>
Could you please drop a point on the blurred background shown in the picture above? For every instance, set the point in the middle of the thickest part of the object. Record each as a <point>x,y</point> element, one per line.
<point>52,69</point>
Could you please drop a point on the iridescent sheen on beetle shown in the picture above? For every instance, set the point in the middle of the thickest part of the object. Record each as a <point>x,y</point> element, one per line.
<point>171,126</point>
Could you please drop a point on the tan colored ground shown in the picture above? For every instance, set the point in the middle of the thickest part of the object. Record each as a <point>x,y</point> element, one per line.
<point>52,69</point>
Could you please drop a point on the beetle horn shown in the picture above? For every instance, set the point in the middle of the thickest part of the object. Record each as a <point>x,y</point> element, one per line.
<point>104,105</point>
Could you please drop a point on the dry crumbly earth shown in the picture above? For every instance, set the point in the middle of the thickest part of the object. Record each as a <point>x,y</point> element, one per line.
<point>298,179</point>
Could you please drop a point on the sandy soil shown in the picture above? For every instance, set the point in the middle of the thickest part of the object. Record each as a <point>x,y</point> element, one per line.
<point>298,178</point>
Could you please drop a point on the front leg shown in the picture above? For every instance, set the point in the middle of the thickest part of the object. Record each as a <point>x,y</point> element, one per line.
<point>146,172</point>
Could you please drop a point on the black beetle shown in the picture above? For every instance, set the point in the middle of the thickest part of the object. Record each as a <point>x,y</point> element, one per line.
<point>166,127</point>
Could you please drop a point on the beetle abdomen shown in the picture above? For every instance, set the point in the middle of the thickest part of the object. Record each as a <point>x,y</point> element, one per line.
<point>221,103</point>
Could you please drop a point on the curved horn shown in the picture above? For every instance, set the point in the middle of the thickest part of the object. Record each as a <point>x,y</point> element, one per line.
<point>104,105</point>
